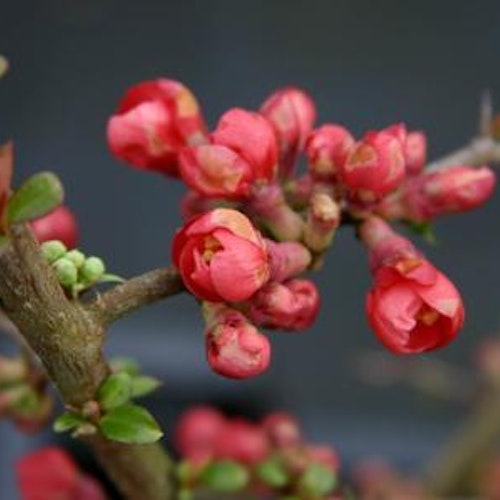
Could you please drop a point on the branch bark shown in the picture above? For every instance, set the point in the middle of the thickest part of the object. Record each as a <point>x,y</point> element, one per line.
<point>69,341</point>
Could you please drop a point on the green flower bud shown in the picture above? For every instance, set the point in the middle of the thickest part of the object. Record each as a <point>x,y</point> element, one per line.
<point>53,250</point>
<point>92,270</point>
<point>77,257</point>
<point>66,271</point>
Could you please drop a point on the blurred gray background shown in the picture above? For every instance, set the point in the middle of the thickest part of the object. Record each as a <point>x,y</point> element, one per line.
<point>367,64</point>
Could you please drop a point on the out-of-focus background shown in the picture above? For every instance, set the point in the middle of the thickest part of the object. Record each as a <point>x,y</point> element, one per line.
<point>367,64</point>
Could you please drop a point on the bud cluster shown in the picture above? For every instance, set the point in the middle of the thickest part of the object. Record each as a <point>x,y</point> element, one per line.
<point>255,222</point>
<point>23,394</point>
<point>235,455</point>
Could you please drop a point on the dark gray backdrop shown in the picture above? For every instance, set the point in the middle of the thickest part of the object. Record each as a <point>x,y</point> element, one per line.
<point>368,64</point>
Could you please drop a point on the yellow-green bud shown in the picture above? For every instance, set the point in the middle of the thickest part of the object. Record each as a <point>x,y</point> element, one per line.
<point>53,250</point>
<point>77,257</point>
<point>66,271</point>
<point>93,269</point>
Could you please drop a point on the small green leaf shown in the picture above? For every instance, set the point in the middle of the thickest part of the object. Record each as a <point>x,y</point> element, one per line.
<point>317,480</point>
<point>67,422</point>
<point>111,278</point>
<point>272,473</point>
<point>39,195</point>
<point>225,476</point>
<point>122,364</point>
<point>425,230</point>
<point>130,424</point>
<point>115,391</point>
<point>143,385</point>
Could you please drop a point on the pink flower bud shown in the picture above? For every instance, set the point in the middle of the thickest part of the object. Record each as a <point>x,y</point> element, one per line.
<point>412,307</point>
<point>235,348</point>
<point>292,113</point>
<point>59,224</point>
<point>251,136</point>
<point>375,166</point>
<point>216,171</point>
<point>154,120</point>
<point>243,442</point>
<point>292,305</point>
<point>216,250</point>
<point>282,430</point>
<point>324,455</point>
<point>451,190</point>
<point>327,150</point>
<point>197,432</point>
<point>287,259</point>
<point>51,473</point>
<point>415,152</point>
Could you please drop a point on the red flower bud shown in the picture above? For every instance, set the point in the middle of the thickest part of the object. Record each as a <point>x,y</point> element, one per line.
<point>291,112</point>
<point>154,120</point>
<point>282,429</point>
<point>412,306</point>
<point>327,150</point>
<point>292,305</point>
<point>415,152</point>
<point>375,166</point>
<point>451,190</point>
<point>197,432</point>
<point>59,224</point>
<point>235,348</point>
<point>51,473</point>
<point>242,441</point>
<point>287,259</point>
<point>216,250</point>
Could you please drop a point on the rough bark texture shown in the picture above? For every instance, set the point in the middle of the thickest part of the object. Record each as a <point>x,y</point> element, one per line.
<point>68,338</point>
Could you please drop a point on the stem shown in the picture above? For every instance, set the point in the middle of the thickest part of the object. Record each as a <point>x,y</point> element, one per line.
<point>135,293</point>
<point>478,435</point>
<point>69,341</point>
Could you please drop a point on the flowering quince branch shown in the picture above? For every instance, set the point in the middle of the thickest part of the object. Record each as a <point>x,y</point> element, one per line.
<point>253,227</point>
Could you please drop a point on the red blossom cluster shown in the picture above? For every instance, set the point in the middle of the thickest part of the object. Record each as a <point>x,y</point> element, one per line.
<point>205,436</point>
<point>254,223</point>
<point>50,473</point>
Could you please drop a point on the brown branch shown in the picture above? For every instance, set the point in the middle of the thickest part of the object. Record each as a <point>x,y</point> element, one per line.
<point>136,293</point>
<point>69,341</point>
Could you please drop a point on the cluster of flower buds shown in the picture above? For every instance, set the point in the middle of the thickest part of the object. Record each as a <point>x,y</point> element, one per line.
<point>254,222</point>
<point>51,473</point>
<point>23,395</point>
<point>234,455</point>
<point>73,269</point>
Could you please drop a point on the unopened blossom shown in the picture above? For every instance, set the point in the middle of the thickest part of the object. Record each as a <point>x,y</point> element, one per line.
<point>327,149</point>
<point>375,166</point>
<point>292,305</point>
<point>154,120</point>
<point>234,346</point>
<point>242,151</point>
<point>282,429</point>
<point>242,441</point>
<point>287,259</point>
<point>197,432</point>
<point>60,224</point>
<point>221,256</point>
<point>50,473</point>
<point>431,194</point>
<point>415,151</point>
<point>292,113</point>
<point>412,306</point>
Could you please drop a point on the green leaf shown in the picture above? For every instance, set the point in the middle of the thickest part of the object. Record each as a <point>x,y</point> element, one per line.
<point>142,385</point>
<point>122,364</point>
<point>317,480</point>
<point>111,278</point>
<point>425,230</point>
<point>115,391</point>
<point>130,424</point>
<point>67,422</point>
<point>225,476</point>
<point>39,195</point>
<point>272,473</point>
